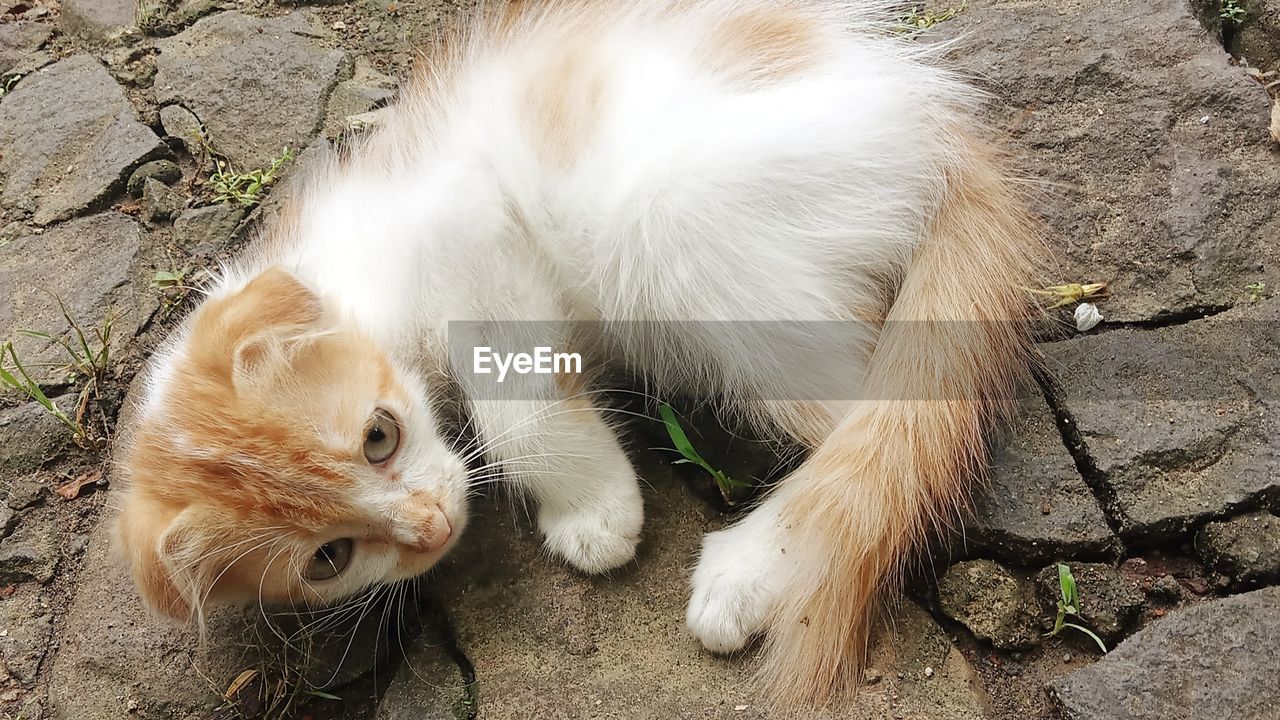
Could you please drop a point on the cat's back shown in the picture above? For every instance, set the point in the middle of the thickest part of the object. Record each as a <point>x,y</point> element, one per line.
<point>786,146</point>
<point>650,147</point>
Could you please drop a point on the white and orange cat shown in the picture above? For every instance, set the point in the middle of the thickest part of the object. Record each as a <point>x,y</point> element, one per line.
<point>604,162</point>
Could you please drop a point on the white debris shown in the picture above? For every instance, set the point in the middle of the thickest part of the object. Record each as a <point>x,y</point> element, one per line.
<point>1204,120</point>
<point>1087,316</point>
<point>928,672</point>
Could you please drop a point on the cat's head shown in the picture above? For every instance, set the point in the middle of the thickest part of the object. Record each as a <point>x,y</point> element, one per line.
<point>280,456</point>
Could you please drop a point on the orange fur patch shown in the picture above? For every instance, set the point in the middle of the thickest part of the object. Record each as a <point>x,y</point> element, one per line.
<point>763,45</point>
<point>956,341</point>
<point>564,103</point>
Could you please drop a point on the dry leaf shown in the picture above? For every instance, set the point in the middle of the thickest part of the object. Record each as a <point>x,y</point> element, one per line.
<point>238,685</point>
<point>1275,120</point>
<point>71,490</point>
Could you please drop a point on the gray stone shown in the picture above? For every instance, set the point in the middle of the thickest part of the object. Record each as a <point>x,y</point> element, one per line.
<point>1109,601</point>
<point>992,602</point>
<point>70,139</point>
<point>99,20</point>
<point>204,231</point>
<point>1036,506</point>
<point>118,660</point>
<point>1211,659</point>
<point>1245,549</point>
<point>258,85</point>
<point>30,436</point>
<point>27,64</point>
<point>88,264</point>
<point>160,202</point>
<point>1258,38</point>
<point>30,553</point>
<point>165,171</point>
<point>26,624</point>
<point>353,99</point>
<point>1152,147</point>
<point>548,642</point>
<point>18,39</point>
<point>169,17</point>
<point>25,493</point>
<point>180,123</point>
<point>1181,424</point>
<point>1166,588</point>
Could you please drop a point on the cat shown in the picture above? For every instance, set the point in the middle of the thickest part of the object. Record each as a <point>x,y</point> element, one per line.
<point>623,165</point>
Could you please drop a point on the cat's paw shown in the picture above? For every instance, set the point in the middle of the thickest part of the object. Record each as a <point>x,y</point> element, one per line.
<point>735,585</point>
<point>596,539</point>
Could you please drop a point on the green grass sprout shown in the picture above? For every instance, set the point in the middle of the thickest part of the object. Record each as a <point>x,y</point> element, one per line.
<point>1069,606</point>
<point>6,85</point>
<point>691,456</point>
<point>23,383</point>
<point>88,363</point>
<point>918,18</point>
<point>245,189</point>
<point>1233,11</point>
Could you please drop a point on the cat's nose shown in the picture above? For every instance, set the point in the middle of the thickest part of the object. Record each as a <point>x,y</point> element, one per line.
<point>432,531</point>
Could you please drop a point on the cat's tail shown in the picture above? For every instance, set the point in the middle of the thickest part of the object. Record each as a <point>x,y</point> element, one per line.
<point>954,345</point>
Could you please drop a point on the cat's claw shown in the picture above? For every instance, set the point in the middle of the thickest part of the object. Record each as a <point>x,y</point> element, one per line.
<point>734,586</point>
<point>595,540</point>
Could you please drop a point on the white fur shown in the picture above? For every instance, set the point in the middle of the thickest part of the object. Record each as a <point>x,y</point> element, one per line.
<point>739,575</point>
<point>693,198</point>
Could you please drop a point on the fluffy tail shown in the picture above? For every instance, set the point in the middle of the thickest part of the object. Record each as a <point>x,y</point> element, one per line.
<point>954,346</point>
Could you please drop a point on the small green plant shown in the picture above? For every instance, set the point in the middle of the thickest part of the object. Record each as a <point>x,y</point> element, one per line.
<point>23,383</point>
<point>245,188</point>
<point>919,18</point>
<point>175,286</point>
<point>690,455</point>
<point>1232,11</point>
<point>88,363</point>
<point>165,279</point>
<point>1257,290</point>
<point>6,85</point>
<point>150,13</point>
<point>1069,606</point>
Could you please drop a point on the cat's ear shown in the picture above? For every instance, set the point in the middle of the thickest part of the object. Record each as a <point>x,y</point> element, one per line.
<point>163,548</point>
<point>256,328</point>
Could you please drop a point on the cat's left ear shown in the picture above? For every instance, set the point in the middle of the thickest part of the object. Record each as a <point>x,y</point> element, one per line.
<point>256,328</point>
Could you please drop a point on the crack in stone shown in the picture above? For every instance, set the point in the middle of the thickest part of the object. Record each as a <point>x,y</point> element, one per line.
<point>1088,469</point>
<point>434,615</point>
<point>1166,319</point>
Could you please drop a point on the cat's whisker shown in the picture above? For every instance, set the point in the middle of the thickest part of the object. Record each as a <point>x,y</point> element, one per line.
<point>262,606</point>
<point>355,627</point>
<point>214,583</point>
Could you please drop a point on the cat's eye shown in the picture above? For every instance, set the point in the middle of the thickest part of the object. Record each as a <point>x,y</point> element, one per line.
<point>329,560</point>
<point>381,437</point>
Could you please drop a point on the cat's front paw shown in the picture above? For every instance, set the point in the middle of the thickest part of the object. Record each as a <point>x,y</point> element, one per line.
<point>596,539</point>
<point>735,585</point>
